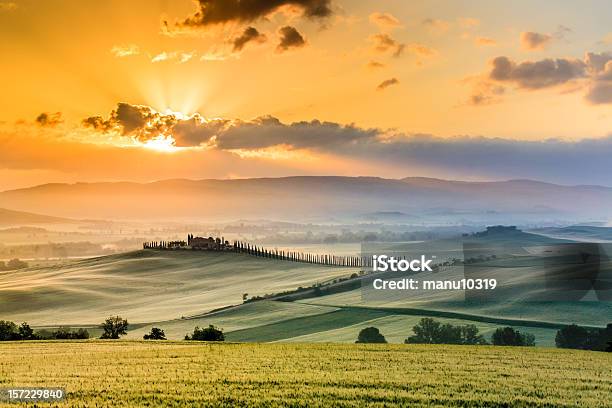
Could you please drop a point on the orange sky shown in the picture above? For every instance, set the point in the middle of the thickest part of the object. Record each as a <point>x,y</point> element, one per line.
<point>401,68</point>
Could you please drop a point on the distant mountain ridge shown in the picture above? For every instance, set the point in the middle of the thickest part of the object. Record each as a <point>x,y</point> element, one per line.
<point>312,197</point>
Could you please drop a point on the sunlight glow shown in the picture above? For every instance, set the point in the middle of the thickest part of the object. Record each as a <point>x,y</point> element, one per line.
<point>161,144</point>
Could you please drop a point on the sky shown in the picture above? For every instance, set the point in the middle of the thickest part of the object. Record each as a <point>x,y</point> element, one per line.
<point>157,89</point>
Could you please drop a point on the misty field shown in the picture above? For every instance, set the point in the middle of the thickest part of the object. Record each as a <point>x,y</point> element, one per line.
<point>121,373</point>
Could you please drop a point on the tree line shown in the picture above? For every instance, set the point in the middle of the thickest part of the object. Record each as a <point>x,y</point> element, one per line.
<point>296,256</point>
<point>13,264</point>
<point>431,331</point>
<point>112,328</point>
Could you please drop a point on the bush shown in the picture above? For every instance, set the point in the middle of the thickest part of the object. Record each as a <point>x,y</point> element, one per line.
<point>430,331</point>
<point>507,336</point>
<point>114,327</point>
<point>155,334</point>
<point>210,333</point>
<point>370,335</point>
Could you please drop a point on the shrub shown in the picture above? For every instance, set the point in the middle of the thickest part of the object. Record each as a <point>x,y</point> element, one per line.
<point>114,327</point>
<point>507,336</point>
<point>155,334</point>
<point>370,335</point>
<point>210,333</point>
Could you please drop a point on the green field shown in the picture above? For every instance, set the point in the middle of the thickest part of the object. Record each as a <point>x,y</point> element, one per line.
<point>175,374</point>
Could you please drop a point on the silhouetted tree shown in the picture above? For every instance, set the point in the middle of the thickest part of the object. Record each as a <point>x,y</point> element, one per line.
<point>155,334</point>
<point>507,336</point>
<point>114,327</point>
<point>370,335</point>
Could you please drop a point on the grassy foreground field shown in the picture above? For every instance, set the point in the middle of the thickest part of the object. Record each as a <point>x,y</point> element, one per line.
<point>126,373</point>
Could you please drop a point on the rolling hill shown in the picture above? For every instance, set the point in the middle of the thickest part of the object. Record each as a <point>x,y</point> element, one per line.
<point>147,286</point>
<point>11,218</point>
<point>314,197</point>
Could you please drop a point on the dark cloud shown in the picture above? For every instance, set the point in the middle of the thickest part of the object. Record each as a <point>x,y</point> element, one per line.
<point>250,34</point>
<point>289,38</point>
<point>384,43</point>
<point>210,12</point>
<point>593,73</point>
<point>375,65</point>
<point>143,123</point>
<point>387,83</point>
<point>537,74</point>
<point>268,131</point>
<point>49,119</point>
<point>532,41</point>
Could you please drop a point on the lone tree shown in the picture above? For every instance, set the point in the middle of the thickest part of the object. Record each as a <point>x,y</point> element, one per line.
<point>114,327</point>
<point>507,336</point>
<point>370,335</point>
<point>210,333</point>
<point>155,334</point>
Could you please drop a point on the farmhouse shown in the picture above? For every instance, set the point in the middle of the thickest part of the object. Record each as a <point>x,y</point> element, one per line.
<point>210,243</point>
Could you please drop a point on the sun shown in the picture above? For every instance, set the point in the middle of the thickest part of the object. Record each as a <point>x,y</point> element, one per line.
<point>161,144</point>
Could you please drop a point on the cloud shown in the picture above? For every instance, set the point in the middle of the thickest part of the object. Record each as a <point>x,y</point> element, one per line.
<point>268,131</point>
<point>289,38</point>
<point>484,42</point>
<point>49,119</point>
<point>384,43</point>
<point>375,65</point>
<point>384,21</point>
<point>250,34</point>
<point>421,50</point>
<point>531,41</point>
<point>121,51</point>
<point>387,83</point>
<point>537,74</point>
<point>570,162</point>
<point>436,26</point>
<point>600,89</point>
<point>178,56</point>
<point>213,12</point>
<point>486,93</point>
<point>143,123</point>
<point>593,73</point>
